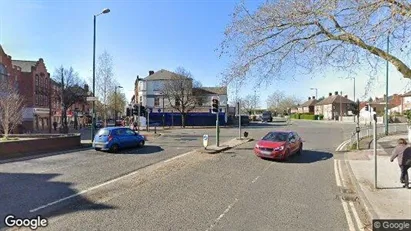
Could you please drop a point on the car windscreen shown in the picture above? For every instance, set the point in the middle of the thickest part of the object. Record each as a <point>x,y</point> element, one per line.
<point>276,137</point>
<point>103,132</point>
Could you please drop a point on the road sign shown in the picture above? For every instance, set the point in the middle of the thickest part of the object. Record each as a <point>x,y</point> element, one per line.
<point>205,140</point>
<point>91,99</point>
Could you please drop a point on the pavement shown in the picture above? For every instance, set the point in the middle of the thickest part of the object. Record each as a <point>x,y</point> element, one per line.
<point>169,185</point>
<point>389,200</point>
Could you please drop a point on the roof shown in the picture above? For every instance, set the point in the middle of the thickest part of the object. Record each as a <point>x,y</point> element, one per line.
<point>1,49</point>
<point>25,65</point>
<point>335,99</point>
<point>308,103</point>
<point>163,75</point>
<point>211,90</point>
<point>407,94</point>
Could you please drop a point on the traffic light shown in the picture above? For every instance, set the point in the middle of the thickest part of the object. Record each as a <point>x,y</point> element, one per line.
<point>135,109</point>
<point>214,106</point>
<point>128,111</point>
<point>355,108</point>
<point>142,111</point>
<point>367,107</point>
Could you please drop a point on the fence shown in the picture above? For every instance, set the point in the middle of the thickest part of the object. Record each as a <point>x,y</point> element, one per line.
<point>368,131</point>
<point>192,119</point>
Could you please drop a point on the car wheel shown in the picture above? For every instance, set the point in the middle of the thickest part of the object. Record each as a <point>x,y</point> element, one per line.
<point>141,143</point>
<point>286,155</point>
<point>114,148</point>
<point>97,149</point>
<point>300,150</point>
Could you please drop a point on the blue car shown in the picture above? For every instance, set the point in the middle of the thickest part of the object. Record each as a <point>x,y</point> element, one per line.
<point>115,138</point>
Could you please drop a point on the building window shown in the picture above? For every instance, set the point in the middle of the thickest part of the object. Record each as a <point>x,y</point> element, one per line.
<point>156,101</point>
<point>37,100</point>
<point>141,99</point>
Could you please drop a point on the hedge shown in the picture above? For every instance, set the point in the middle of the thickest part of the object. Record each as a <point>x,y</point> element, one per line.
<point>307,116</point>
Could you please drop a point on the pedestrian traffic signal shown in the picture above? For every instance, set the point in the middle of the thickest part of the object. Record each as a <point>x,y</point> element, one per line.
<point>214,106</point>
<point>135,109</point>
<point>367,107</point>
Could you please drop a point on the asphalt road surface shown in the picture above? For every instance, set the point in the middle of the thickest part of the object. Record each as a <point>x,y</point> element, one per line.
<point>152,189</point>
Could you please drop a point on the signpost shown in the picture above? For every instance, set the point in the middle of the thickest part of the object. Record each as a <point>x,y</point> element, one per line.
<point>205,141</point>
<point>375,150</point>
<point>215,101</point>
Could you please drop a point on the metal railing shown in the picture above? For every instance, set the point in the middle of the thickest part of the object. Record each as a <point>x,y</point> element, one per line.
<point>368,131</point>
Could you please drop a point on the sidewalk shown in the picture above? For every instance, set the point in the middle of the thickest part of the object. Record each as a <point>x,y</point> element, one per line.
<point>390,200</point>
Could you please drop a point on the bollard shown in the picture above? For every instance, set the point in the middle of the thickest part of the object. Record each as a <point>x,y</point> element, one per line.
<point>155,129</point>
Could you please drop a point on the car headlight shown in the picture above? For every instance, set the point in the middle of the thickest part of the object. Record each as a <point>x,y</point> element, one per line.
<point>256,146</point>
<point>279,148</point>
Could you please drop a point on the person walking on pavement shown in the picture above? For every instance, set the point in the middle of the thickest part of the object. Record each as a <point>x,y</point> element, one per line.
<point>403,154</point>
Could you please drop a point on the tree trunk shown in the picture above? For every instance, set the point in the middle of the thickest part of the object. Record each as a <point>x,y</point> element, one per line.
<point>183,120</point>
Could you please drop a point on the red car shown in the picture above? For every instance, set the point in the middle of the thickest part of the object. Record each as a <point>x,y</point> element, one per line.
<point>279,145</point>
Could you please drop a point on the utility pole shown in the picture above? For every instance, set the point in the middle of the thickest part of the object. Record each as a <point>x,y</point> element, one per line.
<point>50,109</point>
<point>386,88</point>
<point>239,120</point>
<point>63,106</point>
<point>341,105</point>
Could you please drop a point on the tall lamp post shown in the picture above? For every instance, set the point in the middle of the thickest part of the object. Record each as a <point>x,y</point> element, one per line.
<point>316,92</point>
<point>105,11</point>
<point>386,88</point>
<point>115,101</point>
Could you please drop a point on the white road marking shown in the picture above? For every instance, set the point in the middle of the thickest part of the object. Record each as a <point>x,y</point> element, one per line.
<point>341,174</point>
<point>255,179</point>
<point>348,216</point>
<point>97,186</point>
<point>356,217</point>
<point>222,215</point>
<point>342,145</point>
<point>337,173</point>
<point>179,156</point>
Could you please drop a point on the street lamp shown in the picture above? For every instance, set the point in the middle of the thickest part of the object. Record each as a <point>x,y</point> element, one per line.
<point>105,11</point>
<point>386,87</point>
<point>115,101</point>
<point>316,91</point>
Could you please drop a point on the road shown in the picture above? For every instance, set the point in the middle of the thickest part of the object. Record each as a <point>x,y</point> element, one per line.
<point>233,190</point>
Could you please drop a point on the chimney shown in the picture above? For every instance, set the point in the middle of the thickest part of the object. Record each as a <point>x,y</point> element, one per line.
<point>336,93</point>
<point>86,87</point>
<point>150,72</point>
<point>309,98</point>
<point>346,96</point>
<point>313,97</point>
<point>330,94</point>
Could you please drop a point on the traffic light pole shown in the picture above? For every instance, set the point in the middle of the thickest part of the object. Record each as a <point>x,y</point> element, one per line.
<point>217,130</point>
<point>138,117</point>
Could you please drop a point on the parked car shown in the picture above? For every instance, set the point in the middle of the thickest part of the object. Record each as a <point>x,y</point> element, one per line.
<point>115,138</point>
<point>267,116</point>
<point>279,145</point>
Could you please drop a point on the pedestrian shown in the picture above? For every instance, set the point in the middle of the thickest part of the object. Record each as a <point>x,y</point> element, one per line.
<point>403,154</point>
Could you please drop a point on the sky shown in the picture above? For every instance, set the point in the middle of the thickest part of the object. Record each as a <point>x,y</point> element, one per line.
<point>143,35</point>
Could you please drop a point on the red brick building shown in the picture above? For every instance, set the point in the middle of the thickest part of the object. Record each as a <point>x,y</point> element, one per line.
<point>42,104</point>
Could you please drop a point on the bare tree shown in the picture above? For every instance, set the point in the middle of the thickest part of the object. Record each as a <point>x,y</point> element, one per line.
<point>249,103</point>
<point>71,90</point>
<point>315,35</point>
<point>280,102</point>
<point>104,82</point>
<point>274,100</point>
<point>117,101</point>
<point>179,92</point>
<point>11,108</point>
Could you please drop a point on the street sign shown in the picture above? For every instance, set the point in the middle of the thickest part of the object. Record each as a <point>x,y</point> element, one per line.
<point>91,98</point>
<point>205,140</point>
